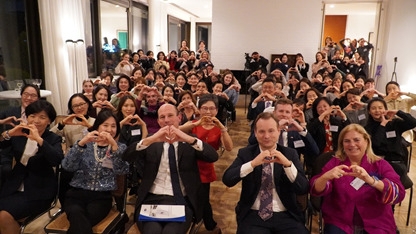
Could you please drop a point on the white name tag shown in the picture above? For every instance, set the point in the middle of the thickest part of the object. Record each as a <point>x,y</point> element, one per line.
<point>299,144</point>
<point>391,134</point>
<point>108,163</point>
<point>135,132</point>
<point>333,128</point>
<point>357,183</point>
<point>162,213</point>
<point>361,117</point>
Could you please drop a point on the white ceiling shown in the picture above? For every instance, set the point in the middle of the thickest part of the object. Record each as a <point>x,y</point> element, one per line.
<point>351,9</point>
<point>203,8</point>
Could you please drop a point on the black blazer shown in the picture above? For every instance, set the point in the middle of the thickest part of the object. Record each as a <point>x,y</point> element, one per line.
<point>12,111</point>
<point>148,161</point>
<point>317,130</point>
<point>38,175</point>
<point>286,190</point>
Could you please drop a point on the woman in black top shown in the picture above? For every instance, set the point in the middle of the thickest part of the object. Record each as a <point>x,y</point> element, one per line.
<point>386,133</point>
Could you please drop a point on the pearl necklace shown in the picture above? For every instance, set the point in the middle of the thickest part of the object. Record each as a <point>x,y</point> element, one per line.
<point>107,153</point>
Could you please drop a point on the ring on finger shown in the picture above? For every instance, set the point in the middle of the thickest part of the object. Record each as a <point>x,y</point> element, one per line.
<point>340,175</point>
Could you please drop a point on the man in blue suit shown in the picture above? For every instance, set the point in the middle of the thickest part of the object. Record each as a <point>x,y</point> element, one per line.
<point>272,177</point>
<point>293,134</point>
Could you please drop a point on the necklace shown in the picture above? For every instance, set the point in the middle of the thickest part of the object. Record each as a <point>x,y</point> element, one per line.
<point>107,153</point>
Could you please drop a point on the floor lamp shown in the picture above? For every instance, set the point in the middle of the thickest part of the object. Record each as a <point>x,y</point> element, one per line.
<point>75,43</point>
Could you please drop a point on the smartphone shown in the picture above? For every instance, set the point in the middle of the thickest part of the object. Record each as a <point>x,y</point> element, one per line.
<point>133,121</point>
<point>26,131</point>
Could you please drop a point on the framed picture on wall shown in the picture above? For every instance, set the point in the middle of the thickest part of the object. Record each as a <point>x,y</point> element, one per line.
<point>123,38</point>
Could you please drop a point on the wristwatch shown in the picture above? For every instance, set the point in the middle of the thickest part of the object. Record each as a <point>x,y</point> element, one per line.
<point>194,143</point>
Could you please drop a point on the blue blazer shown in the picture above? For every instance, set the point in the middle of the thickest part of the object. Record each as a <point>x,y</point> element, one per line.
<point>286,190</point>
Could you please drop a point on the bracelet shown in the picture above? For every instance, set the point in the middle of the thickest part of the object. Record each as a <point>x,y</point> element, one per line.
<point>375,181</point>
<point>6,135</point>
<point>224,129</point>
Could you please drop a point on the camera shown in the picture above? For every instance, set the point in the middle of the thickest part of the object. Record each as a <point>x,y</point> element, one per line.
<point>247,56</point>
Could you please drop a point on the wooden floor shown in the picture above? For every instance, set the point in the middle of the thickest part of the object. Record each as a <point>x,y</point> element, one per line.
<point>224,199</point>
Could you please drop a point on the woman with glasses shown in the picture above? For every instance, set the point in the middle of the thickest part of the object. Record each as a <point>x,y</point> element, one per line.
<point>75,126</point>
<point>210,130</point>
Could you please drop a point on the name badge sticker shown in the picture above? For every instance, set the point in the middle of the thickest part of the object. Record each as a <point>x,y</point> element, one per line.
<point>357,183</point>
<point>333,128</point>
<point>391,134</point>
<point>361,117</point>
<point>135,132</point>
<point>299,143</point>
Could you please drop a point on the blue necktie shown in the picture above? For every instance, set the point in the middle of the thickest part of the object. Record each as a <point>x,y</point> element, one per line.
<point>174,176</point>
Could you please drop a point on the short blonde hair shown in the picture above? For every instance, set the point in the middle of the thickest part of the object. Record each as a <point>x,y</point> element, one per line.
<point>359,129</point>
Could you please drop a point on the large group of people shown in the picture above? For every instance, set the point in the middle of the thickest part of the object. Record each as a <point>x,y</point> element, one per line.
<point>163,119</point>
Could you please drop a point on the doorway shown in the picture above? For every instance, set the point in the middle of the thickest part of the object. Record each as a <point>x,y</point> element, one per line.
<point>361,21</point>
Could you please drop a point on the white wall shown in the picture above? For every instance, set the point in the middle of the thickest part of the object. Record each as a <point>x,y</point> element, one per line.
<point>110,25</point>
<point>287,26</point>
<point>359,26</point>
<point>269,27</point>
<point>399,41</point>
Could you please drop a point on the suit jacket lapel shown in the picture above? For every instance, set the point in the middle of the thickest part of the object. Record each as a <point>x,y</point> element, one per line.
<point>180,150</point>
<point>159,151</point>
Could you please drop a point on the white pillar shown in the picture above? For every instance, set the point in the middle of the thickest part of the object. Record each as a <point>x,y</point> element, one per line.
<point>154,25</point>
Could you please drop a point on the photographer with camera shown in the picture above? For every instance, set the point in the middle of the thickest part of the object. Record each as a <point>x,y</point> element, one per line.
<point>256,62</point>
<point>330,47</point>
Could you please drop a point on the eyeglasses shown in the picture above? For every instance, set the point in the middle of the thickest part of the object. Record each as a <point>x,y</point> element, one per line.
<point>211,108</point>
<point>78,105</point>
<point>31,95</point>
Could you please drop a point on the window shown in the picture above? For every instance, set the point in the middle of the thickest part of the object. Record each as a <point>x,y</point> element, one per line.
<point>178,31</point>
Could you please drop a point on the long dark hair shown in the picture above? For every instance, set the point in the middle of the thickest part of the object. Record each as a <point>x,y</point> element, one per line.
<point>123,99</point>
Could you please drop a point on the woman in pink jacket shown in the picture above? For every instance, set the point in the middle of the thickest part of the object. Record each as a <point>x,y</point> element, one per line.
<point>358,187</point>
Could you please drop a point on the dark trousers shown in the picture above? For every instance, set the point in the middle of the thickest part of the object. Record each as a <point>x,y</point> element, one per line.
<point>209,221</point>
<point>279,223</point>
<point>85,209</point>
<point>164,227</point>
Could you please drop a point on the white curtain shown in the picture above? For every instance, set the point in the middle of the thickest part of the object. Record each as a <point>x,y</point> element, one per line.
<point>65,63</point>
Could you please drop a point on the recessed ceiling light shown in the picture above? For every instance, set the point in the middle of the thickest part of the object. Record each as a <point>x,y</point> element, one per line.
<point>117,6</point>
<point>332,6</point>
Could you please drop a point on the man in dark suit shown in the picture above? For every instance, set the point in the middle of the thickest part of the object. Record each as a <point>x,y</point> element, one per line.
<point>294,134</point>
<point>158,183</point>
<point>272,177</point>
<point>266,99</point>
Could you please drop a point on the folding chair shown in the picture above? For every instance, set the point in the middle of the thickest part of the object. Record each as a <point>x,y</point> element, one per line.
<point>115,219</point>
<point>315,202</point>
<point>26,221</point>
